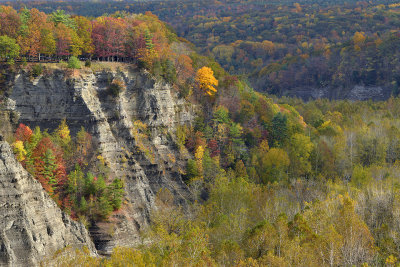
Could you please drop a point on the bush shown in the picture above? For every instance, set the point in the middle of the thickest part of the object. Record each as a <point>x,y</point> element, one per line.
<point>116,87</point>
<point>74,63</point>
<point>37,70</point>
<point>88,63</point>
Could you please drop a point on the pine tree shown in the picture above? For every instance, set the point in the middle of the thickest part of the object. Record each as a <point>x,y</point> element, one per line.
<point>49,168</point>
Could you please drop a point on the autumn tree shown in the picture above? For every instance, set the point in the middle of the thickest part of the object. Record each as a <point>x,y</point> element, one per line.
<point>10,22</point>
<point>206,81</point>
<point>9,49</point>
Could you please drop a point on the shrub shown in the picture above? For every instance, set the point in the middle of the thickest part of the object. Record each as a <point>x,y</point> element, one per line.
<point>88,63</point>
<point>74,63</point>
<point>37,70</point>
<point>116,87</point>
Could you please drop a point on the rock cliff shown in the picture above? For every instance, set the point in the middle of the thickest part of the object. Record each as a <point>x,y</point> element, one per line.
<point>83,99</point>
<point>31,224</point>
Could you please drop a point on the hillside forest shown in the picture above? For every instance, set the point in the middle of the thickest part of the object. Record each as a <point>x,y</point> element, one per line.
<point>276,181</point>
<point>279,45</point>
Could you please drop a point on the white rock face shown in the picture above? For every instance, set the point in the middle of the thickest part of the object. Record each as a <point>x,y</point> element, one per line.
<point>85,101</point>
<point>31,224</point>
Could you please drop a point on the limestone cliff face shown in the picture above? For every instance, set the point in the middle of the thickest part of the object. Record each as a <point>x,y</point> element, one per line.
<point>31,224</point>
<point>84,100</point>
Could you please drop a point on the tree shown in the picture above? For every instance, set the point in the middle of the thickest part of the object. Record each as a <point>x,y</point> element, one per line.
<point>74,63</point>
<point>10,22</point>
<point>47,42</point>
<point>273,165</point>
<point>31,41</point>
<point>278,130</point>
<point>63,40</point>
<point>9,49</point>
<point>84,32</point>
<point>59,16</point>
<point>49,167</point>
<point>23,133</point>
<point>358,243</point>
<point>19,150</point>
<point>260,240</point>
<point>206,80</point>
<point>300,150</point>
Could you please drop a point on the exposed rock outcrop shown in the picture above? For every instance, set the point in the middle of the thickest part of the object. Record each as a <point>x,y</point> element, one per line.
<point>85,100</point>
<point>31,224</point>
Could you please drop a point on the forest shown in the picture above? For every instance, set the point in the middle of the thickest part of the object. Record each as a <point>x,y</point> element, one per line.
<point>276,181</point>
<point>280,44</point>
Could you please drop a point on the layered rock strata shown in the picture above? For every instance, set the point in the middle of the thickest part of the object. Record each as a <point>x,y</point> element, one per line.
<point>145,165</point>
<point>32,226</point>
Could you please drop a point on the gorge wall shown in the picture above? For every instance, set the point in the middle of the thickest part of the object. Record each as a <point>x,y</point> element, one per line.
<point>31,224</point>
<point>83,99</point>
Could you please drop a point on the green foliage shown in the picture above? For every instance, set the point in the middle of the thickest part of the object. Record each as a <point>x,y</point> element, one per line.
<point>221,115</point>
<point>37,70</point>
<point>191,169</point>
<point>277,182</point>
<point>59,16</point>
<point>74,63</point>
<point>300,151</point>
<point>82,194</point>
<point>9,49</point>
<point>279,130</point>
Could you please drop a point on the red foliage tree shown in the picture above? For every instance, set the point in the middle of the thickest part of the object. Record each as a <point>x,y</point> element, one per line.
<point>23,133</point>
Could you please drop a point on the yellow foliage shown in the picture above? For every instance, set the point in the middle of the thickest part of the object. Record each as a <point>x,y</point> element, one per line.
<point>359,38</point>
<point>171,158</point>
<point>199,158</point>
<point>101,159</point>
<point>391,260</point>
<point>297,7</point>
<point>207,82</point>
<point>378,42</point>
<point>19,150</point>
<point>63,131</point>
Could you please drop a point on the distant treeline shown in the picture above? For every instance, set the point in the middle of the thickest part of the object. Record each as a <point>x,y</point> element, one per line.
<point>34,36</point>
<point>279,45</point>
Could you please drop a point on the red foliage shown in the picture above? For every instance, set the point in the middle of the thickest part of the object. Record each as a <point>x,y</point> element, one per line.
<point>109,37</point>
<point>23,133</point>
<point>60,171</point>
<point>214,148</point>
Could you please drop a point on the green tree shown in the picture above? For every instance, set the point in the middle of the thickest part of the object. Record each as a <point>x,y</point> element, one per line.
<point>50,167</point>
<point>278,130</point>
<point>74,63</point>
<point>9,49</point>
<point>300,150</point>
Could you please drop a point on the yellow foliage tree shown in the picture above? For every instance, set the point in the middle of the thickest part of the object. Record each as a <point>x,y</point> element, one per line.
<point>207,81</point>
<point>63,131</point>
<point>19,150</point>
<point>199,154</point>
<point>358,39</point>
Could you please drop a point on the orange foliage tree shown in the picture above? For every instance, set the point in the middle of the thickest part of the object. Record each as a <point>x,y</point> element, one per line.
<point>206,80</point>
